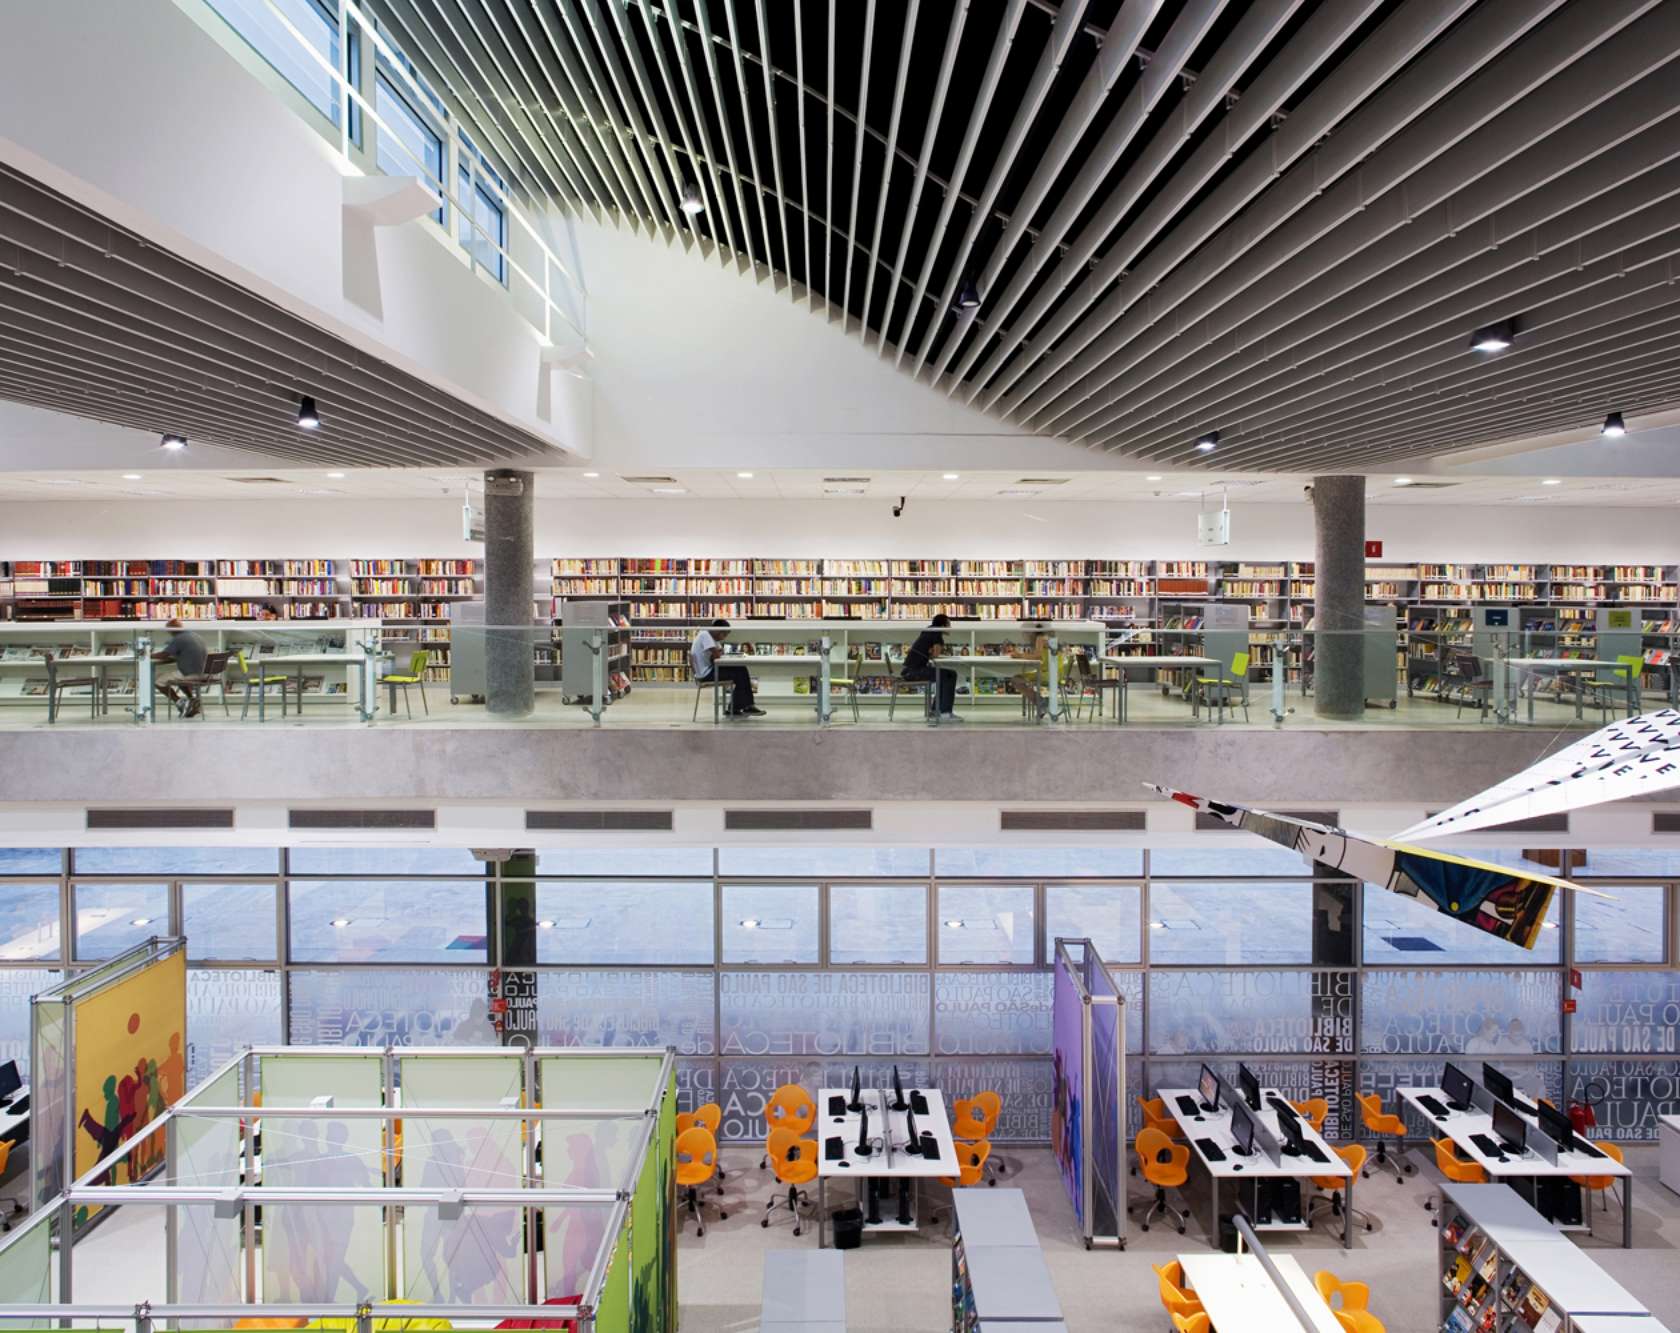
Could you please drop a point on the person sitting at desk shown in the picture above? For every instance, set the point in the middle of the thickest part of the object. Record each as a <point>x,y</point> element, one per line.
<point>918,666</point>
<point>703,655</point>
<point>1035,683</point>
<point>187,651</point>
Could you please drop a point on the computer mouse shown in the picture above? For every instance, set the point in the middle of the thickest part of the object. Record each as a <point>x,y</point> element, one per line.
<point>1198,1120</point>
<point>1236,1166</point>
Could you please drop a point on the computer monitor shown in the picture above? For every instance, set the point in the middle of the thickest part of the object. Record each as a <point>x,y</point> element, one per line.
<point>1509,1128</point>
<point>899,1103</point>
<point>1290,1124</point>
<point>10,1080</point>
<point>1498,1085</point>
<point>1242,1130</point>
<point>1458,1087</point>
<point>862,1148</point>
<point>1208,1086</point>
<point>1250,1087</point>
<point>912,1137</point>
<point>1557,1126</point>
<point>856,1104</point>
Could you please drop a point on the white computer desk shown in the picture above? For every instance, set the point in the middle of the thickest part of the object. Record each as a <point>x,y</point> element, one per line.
<point>1238,1293</point>
<point>12,1121</point>
<point>1150,662</point>
<point>888,1161</point>
<point>1459,1126</point>
<point>1216,1125</point>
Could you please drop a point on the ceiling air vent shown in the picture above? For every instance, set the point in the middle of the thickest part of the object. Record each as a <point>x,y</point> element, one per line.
<point>259,481</point>
<point>1665,821</point>
<point>845,481</point>
<point>1558,823</point>
<point>1212,824</point>
<point>650,481</point>
<point>606,821</point>
<point>1042,481</point>
<point>797,821</point>
<point>175,817</point>
<point>362,819</point>
<point>1429,485</point>
<point>1072,821</point>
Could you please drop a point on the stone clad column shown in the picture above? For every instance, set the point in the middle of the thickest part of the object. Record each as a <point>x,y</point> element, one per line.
<point>1339,597</point>
<point>509,671</point>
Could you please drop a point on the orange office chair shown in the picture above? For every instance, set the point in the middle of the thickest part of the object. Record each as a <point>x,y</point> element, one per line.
<point>976,1120</point>
<point>1196,1323</point>
<point>971,1168</point>
<point>1595,1186</point>
<point>1315,1110</point>
<point>1454,1168</point>
<point>1157,1116</point>
<point>1353,1313</point>
<point>794,1161</point>
<point>696,1151</point>
<point>14,1208</point>
<point>789,1107</point>
<point>1176,1298</point>
<point>1383,1127</point>
<point>1330,1204</point>
<point>709,1115</point>
<point>1165,1165</point>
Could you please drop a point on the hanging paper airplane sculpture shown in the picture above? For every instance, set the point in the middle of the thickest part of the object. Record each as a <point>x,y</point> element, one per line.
<point>1635,757</point>
<point>1504,902</point>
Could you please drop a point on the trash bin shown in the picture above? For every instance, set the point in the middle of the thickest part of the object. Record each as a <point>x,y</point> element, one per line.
<point>1228,1233</point>
<point>848,1228</point>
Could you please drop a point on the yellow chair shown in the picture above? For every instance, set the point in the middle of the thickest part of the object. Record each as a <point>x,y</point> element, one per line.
<point>1195,1323</point>
<point>255,679</point>
<point>1224,683</point>
<point>696,1151</point>
<point>794,1161</point>
<point>1165,1165</point>
<point>1176,1298</point>
<point>1609,692</point>
<point>1353,1313</point>
<point>1383,1127</point>
<point>415,675</point>
<point>1314,1110</point>
<point>1595,1185</point>
<point>1354,1155</point>
<point>789,1107</point>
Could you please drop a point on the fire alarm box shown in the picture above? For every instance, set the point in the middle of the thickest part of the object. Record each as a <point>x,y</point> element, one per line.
<point>1373,550</point>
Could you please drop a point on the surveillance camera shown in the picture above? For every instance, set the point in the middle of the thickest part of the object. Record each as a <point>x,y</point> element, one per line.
<point>898,509</point>
<point>1307,491</point>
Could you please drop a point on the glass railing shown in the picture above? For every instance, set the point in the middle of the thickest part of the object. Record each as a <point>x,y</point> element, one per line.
<point>816,673</point>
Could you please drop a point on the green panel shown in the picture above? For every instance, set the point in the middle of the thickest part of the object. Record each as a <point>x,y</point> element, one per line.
<point>26,1266</point>
<point>647,1249</point>
<point>209,1255</point>
<point>296,1080</point>
<point>585,1082</point>
<point>461,1080</point>
<point>613,1313</point>
<point>666,1141</point>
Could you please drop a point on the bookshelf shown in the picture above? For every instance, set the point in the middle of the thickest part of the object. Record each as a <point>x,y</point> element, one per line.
<point>1504,1269</point>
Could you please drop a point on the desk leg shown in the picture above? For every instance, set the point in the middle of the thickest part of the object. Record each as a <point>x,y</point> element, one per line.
<point>822,1212</point>
<point>1347,1214</point>
<point>1213,1219</point>
<point>1627,1212</point>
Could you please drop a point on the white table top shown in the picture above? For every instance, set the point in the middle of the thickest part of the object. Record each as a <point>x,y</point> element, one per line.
<point>1217,1126</point>
<point>1158,660</point>
<point>772,659</point>
<point>1616,1323</point>
<point>1238,1293</point>
<point>10,1120</point>
<point>897,1162</point>
<point>1561,663</point>
<point>803,1288</point>
<point>1460,1125</point>
<point>1670,1122</point>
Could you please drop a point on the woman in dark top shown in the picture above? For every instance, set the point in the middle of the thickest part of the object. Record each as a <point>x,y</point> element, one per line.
<point>918,666</point>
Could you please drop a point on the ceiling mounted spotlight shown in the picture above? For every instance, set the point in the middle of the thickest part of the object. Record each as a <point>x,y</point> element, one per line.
<point>1614,427</point>
<point>1402,481</point>
<point>1493,337</point>
<point>968,295</point>
<point>174,443</point>
<point>1206,444</point>
<point>308,417</point>
<point>691,202</point>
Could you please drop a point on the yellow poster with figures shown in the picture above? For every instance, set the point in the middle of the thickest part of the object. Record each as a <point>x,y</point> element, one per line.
<point>131,1063</point>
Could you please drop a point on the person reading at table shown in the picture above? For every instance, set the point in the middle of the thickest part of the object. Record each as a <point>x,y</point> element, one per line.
<point>703,655</point>
<point>187,651</point>
<point>1035,683</point>
<point>918,666</point>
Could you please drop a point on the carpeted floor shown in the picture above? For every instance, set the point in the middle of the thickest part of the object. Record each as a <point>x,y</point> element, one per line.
<point>902,1283</point>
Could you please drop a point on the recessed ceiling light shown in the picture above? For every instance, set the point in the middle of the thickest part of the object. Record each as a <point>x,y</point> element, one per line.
<point>952,476</point>
<point>1548,925</point>
<point>336,476</point>
<point>592,475</point>
<point>1493,337</point>
<point>1402,481</point>
<point>1153,476</point>
<point>692,202</point>
<point>745,476</point>
<point>1157,925</point>
<point>341,922</point>
<point>1208,443</point>
<point>750,923</point>
<point>141,921</point>
<point>545,925</point>
<point>174,443</point>
<point>955,924</point>
<point>308,417</point>
<point>132,476</point>
<point>669,490</point>
<point>1552,481</point>
<point>1614,426</point>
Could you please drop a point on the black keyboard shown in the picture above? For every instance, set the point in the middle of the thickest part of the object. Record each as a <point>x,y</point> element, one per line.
<point>1188,1106</point>
<point>1313,1151</point>
<point>1211,1150</point>
<point>1488,1145</point>
<point>1432,1105</point>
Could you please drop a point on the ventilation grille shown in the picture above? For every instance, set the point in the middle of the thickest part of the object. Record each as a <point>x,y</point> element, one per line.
<point>1072,821</point>
<point>793,821</point>
<point>650,481</point>
<point>1665,821</point>
<point>1558,823</point>
<point>1042,481</point>
<point>175,818</point>
<point>362,819</point>
<point>642,821</point>
<point>845,481</point>
<point>1429,486</point>
<point>259,481</point>
<point>1211,823</point>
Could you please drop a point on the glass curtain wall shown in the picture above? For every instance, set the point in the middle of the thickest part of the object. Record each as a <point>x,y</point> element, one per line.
<point>771,965</point>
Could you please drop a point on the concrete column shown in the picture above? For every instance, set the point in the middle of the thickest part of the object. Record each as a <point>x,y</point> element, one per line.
<point>1339,597</point>
<point>509,670</point>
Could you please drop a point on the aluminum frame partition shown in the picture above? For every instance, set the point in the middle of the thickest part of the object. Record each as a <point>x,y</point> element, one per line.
<point>1090,962</point>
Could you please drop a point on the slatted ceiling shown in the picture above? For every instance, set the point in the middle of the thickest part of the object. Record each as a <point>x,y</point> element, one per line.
<point>98,323</point>
<point>1277,218</point>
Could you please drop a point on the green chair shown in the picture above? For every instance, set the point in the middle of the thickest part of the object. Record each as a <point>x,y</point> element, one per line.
<point>849,681</point>
<point>415,675</point>
<point>1215,691</point>
<point>256,680</point>
<point>1609,692</point>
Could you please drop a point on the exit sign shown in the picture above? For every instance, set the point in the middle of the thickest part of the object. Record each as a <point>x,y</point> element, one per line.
<point>1373,550</point>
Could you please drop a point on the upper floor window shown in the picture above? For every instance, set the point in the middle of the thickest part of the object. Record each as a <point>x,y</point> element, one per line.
<point>481,222</point>
<point>407,144</point>
<point>265,32</point>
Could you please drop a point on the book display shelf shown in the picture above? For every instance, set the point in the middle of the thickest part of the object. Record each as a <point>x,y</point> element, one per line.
<point>1505,1269</point>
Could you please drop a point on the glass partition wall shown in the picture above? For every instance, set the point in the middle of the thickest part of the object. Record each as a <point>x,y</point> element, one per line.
<point>769,965</point>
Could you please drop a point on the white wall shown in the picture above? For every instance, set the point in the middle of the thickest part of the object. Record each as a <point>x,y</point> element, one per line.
<point>806,528</point>
<point>132,109</point>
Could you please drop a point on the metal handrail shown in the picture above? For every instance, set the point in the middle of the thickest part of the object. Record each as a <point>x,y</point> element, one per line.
<point>1245,1235</point>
